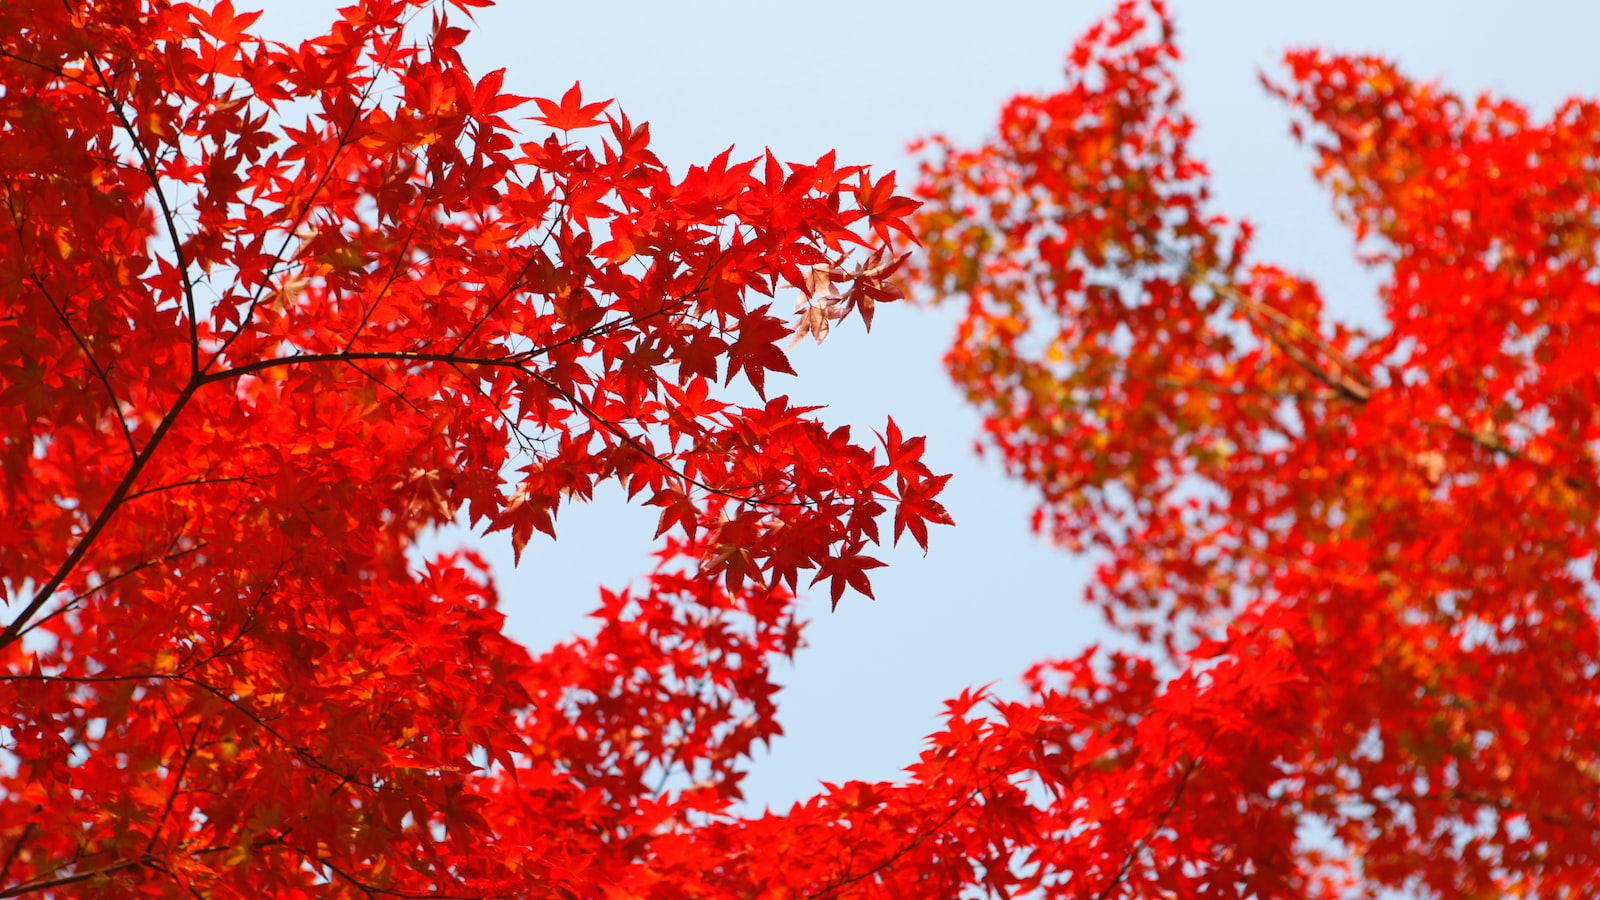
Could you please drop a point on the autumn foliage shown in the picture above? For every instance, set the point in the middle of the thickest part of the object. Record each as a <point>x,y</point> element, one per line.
<point>270,312</point>
<point>1374,548</point>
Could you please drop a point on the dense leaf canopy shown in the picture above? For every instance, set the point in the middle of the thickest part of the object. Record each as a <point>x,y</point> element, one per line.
<point>269,312</point>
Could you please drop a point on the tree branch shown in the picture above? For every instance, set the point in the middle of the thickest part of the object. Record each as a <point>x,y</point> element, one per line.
<point>101,520</point>
<point>168,217</point>
<point>911,845</point>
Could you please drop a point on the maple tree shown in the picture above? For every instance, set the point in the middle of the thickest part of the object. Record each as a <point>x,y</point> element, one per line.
<point>271,312</point>
<point>1359,561</point>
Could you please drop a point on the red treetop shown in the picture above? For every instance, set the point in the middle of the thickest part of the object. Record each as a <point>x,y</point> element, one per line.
<point>1370,553</point>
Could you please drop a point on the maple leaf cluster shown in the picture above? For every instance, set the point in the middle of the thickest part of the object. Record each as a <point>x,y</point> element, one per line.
<point>268,312</point>
<point>1378,545</point>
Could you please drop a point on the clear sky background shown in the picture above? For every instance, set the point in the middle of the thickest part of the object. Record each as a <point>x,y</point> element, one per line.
<point>865,78</point>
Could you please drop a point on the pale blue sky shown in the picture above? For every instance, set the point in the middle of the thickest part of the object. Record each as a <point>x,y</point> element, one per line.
<point>865,78</point>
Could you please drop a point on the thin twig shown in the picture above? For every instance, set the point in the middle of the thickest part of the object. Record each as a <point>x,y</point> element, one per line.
<point>168,216</point>
<point>909,845</point>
